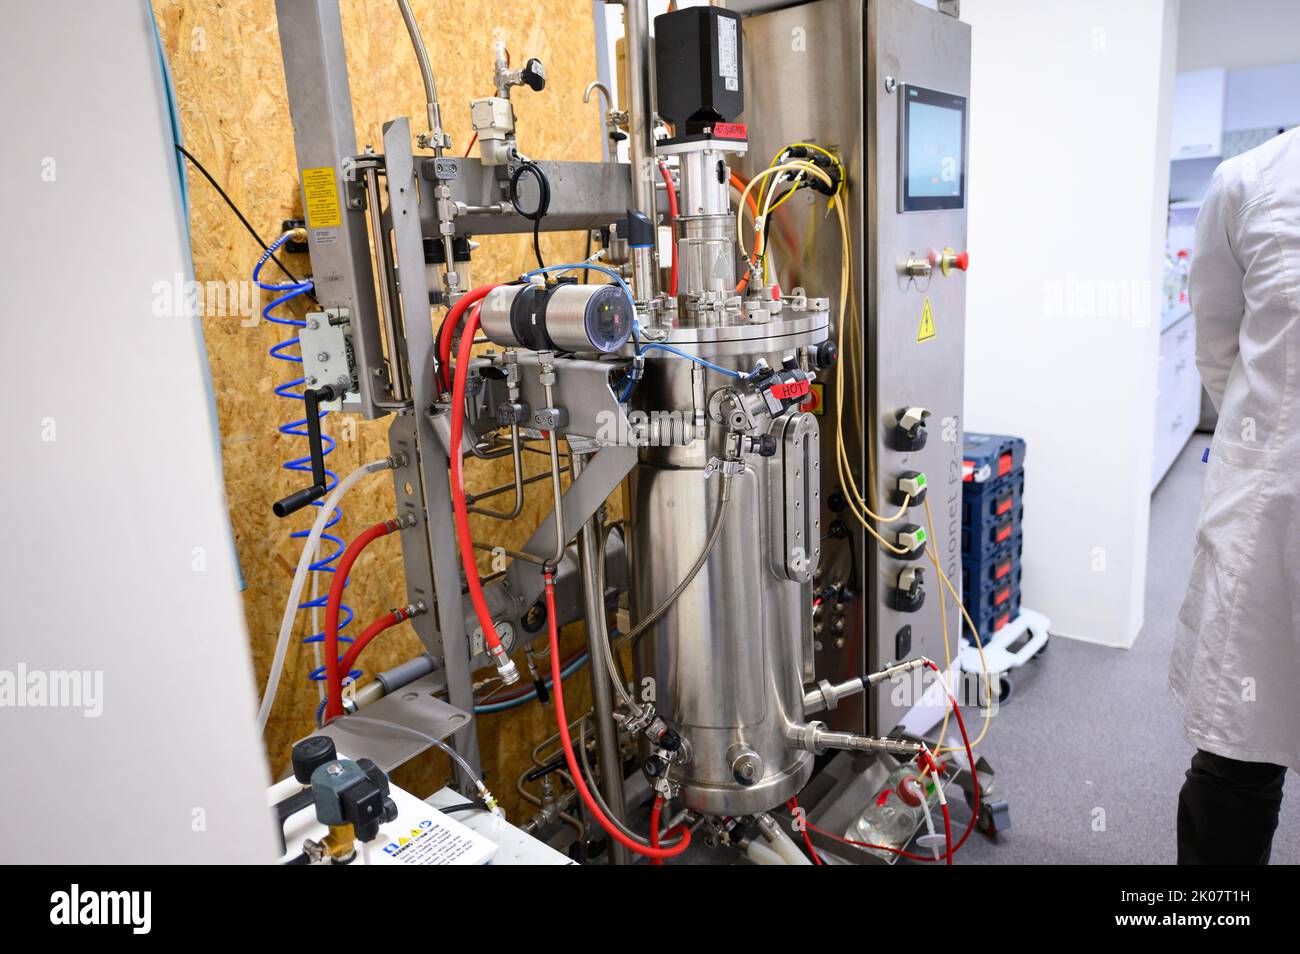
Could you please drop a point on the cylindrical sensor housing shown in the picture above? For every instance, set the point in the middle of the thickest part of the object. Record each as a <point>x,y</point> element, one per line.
<point>561,317</point>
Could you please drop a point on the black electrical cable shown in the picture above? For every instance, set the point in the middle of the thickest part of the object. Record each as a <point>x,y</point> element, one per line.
<point>240,215</point>
<point>462,807</point>
<point>543,201</point>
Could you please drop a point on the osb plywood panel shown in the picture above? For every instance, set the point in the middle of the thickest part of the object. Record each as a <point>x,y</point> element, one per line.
<point>225,60</point>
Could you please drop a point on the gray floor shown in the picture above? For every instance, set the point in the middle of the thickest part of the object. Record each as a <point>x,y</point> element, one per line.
<point>1089,751</point>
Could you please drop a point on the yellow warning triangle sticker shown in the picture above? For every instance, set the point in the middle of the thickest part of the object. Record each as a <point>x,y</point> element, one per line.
<point>926,331</point>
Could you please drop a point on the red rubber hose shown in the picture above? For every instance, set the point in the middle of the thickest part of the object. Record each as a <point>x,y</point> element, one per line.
<point>463,536</point>
<point>970,761</point>
<point>807,839</point>
<point>387,621</point>
<point>672,222</point>
<point>333,670</point>
<point>448,329</point>
<point>572,760</point>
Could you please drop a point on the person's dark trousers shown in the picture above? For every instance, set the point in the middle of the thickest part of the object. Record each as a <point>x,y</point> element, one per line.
<point>1227,811</point>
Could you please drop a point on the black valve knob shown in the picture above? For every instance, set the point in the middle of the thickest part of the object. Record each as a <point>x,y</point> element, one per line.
<point>766,445</point>
<point>909,433</point>
<point>534,75</point>
<point>827,354</point>
<point>310,754</point>
<point>908,595</point>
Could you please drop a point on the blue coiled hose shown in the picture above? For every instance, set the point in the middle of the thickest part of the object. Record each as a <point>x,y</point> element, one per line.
<point>286,291</point>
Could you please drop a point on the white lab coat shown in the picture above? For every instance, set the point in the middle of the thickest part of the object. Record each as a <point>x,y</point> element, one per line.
<point>1235,671</point>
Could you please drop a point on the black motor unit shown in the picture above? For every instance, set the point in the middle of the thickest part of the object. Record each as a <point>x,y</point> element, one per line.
<point>698,67</point>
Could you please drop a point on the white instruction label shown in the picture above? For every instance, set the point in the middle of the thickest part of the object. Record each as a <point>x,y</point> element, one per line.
<point>429,842</point>
<point>728,48</point>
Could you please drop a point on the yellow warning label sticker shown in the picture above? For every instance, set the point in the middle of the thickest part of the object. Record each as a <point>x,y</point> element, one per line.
<point>321,198</point>
<point>926,331</point>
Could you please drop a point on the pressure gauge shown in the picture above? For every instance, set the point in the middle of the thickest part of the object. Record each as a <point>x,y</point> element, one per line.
<point>561,317</point>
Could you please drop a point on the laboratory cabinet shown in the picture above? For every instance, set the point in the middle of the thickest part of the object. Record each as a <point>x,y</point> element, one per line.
<point>1199,100</point>
<point>1178,394</point>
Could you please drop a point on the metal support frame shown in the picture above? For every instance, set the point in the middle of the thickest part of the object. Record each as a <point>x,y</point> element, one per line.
<point>585,195</point>
<point>601,476</point>
<point>320,104</point>
<point>433,479</point>
<point>415,707</point>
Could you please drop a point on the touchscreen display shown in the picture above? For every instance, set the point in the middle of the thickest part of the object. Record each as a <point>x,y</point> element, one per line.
<point>933,162</point>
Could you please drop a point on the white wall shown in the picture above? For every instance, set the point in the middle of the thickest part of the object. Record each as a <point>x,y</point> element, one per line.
<point>1236,34</point>
<point>117,559</point>
<point>1069,147</point>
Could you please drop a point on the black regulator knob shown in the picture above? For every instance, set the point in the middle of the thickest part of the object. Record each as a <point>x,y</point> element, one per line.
<point>310,754</point>
<point>534,75</point>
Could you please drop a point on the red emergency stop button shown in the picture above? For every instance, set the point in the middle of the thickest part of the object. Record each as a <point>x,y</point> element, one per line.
<point>952,259</point>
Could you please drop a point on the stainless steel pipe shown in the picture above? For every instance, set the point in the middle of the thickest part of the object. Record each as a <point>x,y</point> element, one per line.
<point>640,142</point>
<point>591,556</point>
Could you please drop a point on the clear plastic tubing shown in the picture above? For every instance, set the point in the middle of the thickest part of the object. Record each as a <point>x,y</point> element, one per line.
<point>300,577</point>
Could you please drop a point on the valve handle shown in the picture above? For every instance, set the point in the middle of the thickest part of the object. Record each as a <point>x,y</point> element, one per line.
<point>312,398</point>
